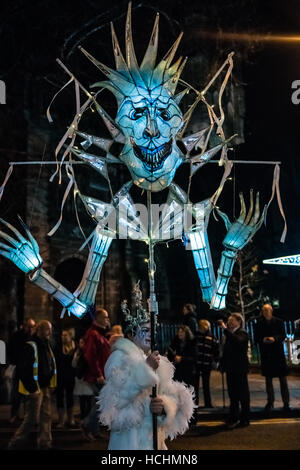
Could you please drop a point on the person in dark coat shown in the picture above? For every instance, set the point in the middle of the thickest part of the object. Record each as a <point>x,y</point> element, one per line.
<point>207,353</point>
<point>190,317</point>
<point>37,379</point>
<point>235,363</point>
<point>270,334</point>
<point>16,349</point>
<point>64,353</point>
<point>297,330</point>
<point>296,343</point>
<point>182,353</point>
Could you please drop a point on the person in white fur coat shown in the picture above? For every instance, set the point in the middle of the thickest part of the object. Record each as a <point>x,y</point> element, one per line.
<point>125,404</point>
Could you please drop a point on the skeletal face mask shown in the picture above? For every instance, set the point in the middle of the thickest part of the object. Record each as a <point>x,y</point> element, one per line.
<point>143,337</point>
<point>148,116</point>
<point>150,122</point>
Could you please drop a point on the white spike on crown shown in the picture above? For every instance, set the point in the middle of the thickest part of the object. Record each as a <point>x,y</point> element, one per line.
<point>128,75</point>
<point>140,315</point>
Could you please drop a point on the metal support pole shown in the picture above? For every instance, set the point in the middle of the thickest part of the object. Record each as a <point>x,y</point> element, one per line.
<point>152,305</point>
<point>223,390</point>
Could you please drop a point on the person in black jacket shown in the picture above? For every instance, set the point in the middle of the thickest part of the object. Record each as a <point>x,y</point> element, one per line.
<point>235,363</point>
<point>297,330</point>
<point>296,343</point>
<point>16,347</point>
<point>37,377</point>
<point>190,317</point>
<point>270,334</point>
<point>64,353</point>
<point>182,353</point>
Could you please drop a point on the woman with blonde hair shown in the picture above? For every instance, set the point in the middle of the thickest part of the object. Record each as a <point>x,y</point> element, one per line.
<point>65,378</point>
<point>182,353</point>
<point>114,334</point>
<point>83,390</point>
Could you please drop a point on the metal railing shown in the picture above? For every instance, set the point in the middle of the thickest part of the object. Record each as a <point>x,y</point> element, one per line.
<point>166,332</point>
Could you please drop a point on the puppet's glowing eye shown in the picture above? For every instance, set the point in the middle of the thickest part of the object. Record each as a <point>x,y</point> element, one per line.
<point>164,114</point>
<point>137,113</point>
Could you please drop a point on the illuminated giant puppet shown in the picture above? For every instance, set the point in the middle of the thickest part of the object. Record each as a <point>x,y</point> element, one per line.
<point>149,123</point>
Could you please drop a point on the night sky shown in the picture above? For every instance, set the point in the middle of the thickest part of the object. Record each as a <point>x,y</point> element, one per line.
<point>33,34</point>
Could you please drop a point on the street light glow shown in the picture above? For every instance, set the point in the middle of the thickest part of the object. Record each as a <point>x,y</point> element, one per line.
<point>247,37</point>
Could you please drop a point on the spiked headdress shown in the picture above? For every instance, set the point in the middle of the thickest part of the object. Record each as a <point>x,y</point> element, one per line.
<point>138,315</point>
<point>129,75</point>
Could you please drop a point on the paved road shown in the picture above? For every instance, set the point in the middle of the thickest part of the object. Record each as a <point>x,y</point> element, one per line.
<point>257,391</point>
<point>271,434</point>
<point>279,432</point>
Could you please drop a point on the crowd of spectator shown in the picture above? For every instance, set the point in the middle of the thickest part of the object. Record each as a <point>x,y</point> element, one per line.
<point>75,367</point>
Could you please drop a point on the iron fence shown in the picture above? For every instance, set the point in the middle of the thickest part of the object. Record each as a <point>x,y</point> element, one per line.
<point>166,333</point>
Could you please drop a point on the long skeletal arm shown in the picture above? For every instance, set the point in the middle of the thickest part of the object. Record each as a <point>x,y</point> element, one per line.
<point>24,253</point>
<point>68,300</point>
<point>218,300</point>
<point>87,288</point>
<point>196,236</point>
<point>203,263</point>
<point>238,235</point>
<point>199,245</point>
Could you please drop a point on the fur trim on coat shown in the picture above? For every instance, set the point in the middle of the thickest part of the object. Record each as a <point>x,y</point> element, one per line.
<point>125,398</point>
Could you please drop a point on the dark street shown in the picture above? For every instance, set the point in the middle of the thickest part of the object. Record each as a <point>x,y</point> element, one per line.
<point>279,432</point>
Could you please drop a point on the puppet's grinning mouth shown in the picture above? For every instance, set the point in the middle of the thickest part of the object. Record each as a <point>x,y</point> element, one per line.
<point>153,159</point>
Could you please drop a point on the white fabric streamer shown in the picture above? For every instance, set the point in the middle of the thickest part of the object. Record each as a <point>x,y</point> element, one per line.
<point>275,187</point>
<point>7,176</point>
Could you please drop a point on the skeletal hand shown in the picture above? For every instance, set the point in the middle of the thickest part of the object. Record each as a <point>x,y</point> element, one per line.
<point>23,253</point>
<point>242,230</point>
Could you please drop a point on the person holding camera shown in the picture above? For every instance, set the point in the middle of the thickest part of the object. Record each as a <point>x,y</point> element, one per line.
<point>234,363</point>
